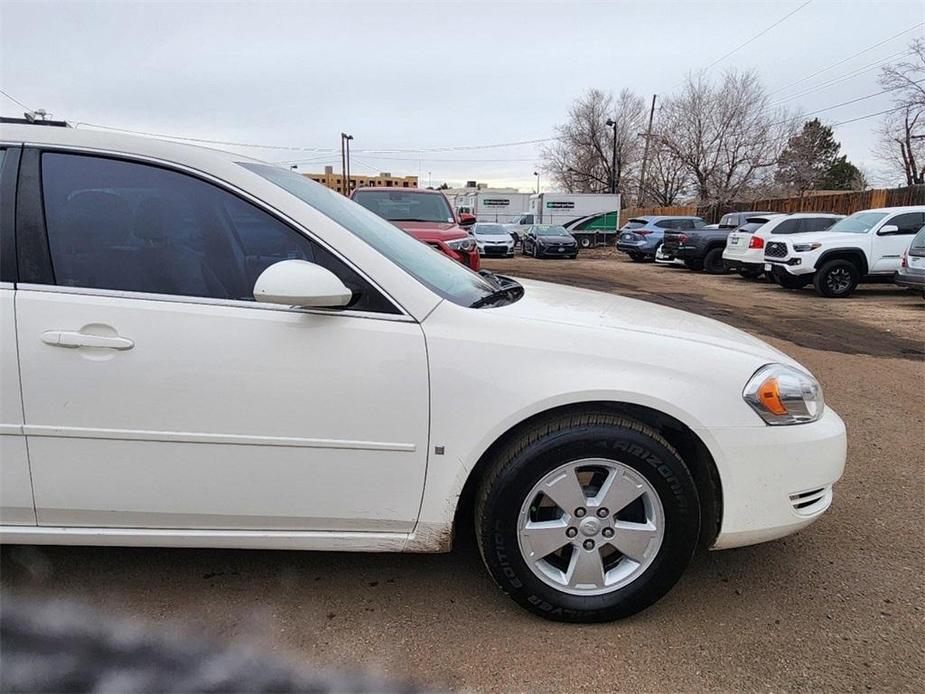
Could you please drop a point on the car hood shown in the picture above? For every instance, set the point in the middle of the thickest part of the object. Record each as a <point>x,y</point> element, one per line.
<point>432,231</point>
<point>492,237</point>
<point>556,238</point>
<point>584,308</point>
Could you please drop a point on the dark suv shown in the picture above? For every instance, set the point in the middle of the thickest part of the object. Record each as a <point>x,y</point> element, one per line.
<point>702,249</point>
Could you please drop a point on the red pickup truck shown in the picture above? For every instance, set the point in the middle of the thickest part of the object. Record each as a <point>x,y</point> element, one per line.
<point>427,216</point>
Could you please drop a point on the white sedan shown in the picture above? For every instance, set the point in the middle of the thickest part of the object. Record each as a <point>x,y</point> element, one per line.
<point>493,240</point>
<point>202,350</point>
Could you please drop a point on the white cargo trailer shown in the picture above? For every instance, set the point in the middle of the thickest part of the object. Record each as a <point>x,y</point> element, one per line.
<point>592,218</point>
<point>490,206</point>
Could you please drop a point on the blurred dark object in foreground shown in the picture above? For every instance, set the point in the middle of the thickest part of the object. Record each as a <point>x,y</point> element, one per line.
<point>62,647</point>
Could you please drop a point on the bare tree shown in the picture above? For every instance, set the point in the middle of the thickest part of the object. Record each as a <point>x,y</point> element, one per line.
<point>667,179</point>
<point>580,159</point>
<point>901,141</point>
<point>727,135</point>
<point>901,145</point>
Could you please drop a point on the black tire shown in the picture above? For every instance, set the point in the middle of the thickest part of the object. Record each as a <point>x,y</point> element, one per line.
<point>836,279</point>
<point>788,281</point>
<point>750,273</point>
<point>523,249</point>
<point>584,242</point>
<point>637,257</point>
<point>536,250</point>
<point>713,262</point>
<point>550,443</point>
<point>692,264</point>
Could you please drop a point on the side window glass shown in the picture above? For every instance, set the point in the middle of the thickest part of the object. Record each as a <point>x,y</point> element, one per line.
<point>788,226</point>
<point>908,223</point>
<point>126,226</point>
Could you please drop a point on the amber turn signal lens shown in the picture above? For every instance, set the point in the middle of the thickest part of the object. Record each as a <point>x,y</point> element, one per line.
<point>769,396</point>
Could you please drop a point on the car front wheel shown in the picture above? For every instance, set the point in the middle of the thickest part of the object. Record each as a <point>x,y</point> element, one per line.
<point>836,279</point>
<point>587,518</point>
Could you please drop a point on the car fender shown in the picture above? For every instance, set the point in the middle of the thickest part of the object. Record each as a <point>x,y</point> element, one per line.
<point>849,253</point>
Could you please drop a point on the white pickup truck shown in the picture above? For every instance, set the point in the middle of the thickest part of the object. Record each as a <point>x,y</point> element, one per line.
<point>867,245</point>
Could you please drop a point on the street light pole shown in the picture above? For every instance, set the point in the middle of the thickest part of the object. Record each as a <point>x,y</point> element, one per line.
<point>613,157</point>
<point>537,174</point>
<point>343,161</point>
<point>348,138</point>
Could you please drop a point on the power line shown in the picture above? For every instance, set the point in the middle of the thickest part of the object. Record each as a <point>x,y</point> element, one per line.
<point>836,80</point>
<point>756,36</point>
<point>869,115</point>
<point>15,100</point>
<point>845,60</point>
<point>845,103</point>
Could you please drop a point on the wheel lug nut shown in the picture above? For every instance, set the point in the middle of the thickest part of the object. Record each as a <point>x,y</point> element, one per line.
<point>580,512</point>
<point>571,532</point>
<point>608,532</point>
<point>602,512</point>
<point>588,544</point>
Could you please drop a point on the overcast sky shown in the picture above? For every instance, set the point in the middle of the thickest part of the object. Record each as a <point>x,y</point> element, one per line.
<point>425,75</point>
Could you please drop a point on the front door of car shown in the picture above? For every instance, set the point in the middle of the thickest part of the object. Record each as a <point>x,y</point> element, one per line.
<point>158,394</point>
<point>887,247</point>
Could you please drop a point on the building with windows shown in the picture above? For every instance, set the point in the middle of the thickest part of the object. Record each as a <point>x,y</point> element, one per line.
<point>335,181</point>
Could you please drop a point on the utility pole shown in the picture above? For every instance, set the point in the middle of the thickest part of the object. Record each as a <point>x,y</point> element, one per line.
<point>537,174</point>
<point>613,157</point>
<point>645,155</point>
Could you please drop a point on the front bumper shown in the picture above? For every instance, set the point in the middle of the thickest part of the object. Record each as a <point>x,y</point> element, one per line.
<point>549,250</point>
<point>496,251</point>
<point>775,480</point>
<point>791,265</point>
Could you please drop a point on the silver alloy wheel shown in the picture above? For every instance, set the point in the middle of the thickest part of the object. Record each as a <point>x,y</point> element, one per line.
<point>590,526</point>
<point>838,280</point>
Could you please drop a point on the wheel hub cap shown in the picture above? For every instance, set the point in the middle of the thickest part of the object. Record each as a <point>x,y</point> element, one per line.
<point>614,537</point>
<point>589,527</point>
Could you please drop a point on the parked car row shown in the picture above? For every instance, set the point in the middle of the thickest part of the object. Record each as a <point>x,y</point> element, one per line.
<point>832,252</point>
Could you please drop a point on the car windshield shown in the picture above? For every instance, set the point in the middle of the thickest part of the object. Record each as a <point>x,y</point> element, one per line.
<point>550,231</point>
<point>405,206</point>
<point>858,223</point>
<point>433,269</point>
<point>489,230</point>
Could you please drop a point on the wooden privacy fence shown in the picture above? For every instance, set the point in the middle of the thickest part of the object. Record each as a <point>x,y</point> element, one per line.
<point>838,203</point>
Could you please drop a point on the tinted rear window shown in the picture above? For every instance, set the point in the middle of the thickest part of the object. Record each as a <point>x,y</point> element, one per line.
<point>750,227</point>
<point>635,224</point>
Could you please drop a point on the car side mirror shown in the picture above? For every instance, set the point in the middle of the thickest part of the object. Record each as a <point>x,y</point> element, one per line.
<point>888,230</point>
<point>466,219</point>
<point>303,284</point>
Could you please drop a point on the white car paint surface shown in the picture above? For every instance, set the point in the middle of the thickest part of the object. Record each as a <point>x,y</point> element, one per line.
<point>238,424</point>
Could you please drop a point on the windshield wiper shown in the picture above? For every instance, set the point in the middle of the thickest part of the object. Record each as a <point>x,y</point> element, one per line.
<point>510,291</point>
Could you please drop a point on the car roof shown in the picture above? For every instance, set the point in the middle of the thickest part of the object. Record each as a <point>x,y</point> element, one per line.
<point>391,189</point>
<point>119,143</point>
<point>890,210</point>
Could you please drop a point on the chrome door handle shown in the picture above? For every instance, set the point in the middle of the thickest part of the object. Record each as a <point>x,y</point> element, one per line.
<point>66,338</point>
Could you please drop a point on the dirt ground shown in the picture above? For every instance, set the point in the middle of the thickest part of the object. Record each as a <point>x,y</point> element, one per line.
<point>839,606</point>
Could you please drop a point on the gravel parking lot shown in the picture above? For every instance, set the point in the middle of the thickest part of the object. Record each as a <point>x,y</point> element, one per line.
<point>839,606</point>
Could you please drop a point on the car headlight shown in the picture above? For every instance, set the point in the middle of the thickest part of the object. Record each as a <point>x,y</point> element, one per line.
<point>804,247</point>
<point>783,395</point>
<point>464,244</point>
